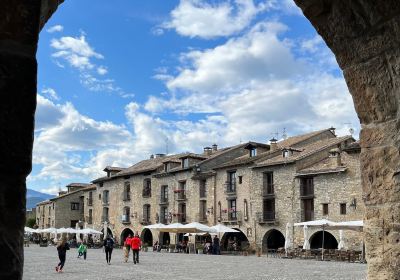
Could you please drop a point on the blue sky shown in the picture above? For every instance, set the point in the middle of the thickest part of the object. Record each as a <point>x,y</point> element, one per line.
<point>121,80</point>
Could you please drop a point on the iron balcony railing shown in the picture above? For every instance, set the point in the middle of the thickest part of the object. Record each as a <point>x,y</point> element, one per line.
<point>230,187</point>
<point>231,216</point>
<point>180,194</point>
<point>268,190</point>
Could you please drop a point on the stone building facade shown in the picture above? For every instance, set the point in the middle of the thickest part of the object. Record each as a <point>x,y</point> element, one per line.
<point>256,188</point>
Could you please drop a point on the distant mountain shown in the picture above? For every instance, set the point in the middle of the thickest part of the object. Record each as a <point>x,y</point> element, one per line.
<point>34,197</point>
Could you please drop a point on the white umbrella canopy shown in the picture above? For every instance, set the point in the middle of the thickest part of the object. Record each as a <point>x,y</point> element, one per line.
<point>48,230</point>
<point>197,227</point>
<point>155,226</point>
<point>341,240</point>
<point>90,231</point>
<point>174,228</point>
<point>316,223</point>
<point>306,244</point>
<point>348,225</point>
<point>222,229</point>
<point>30,230</point>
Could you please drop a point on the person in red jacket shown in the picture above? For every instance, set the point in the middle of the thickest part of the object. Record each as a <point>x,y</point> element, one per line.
<point>127,247</point>
<point>136,243</point>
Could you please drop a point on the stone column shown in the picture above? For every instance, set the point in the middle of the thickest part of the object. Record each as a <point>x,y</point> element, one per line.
<point>19,30</point>
<point>364,35</point>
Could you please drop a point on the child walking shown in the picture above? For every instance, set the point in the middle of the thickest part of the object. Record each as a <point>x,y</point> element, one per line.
<point>82,250</point>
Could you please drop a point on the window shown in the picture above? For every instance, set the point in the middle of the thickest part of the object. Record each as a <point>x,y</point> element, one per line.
<point>185,163</point>
<point>232,209</point>
<point>308,210</point>
<point>106,197</point>
<point>240,179</point>
<point>127,191</point>
<point>164,215</point>
<point>325,209</point>
<point>203,188</point>
<point>99,196</point>
<point>147,187</point>
<point>245,209</point>
<point>182,213</point>
<point>253,152</point>
<point>203,211</point>
<point>181,191</point>
<point>90,199</point>
<point>146,213</point>
<point>268,183</point>
<point>166,167</point>
<point>342,208</point>
<point>219,211</point>
<point>74,205</point>
<point>306,186</point>
<point>104,217</point>
<point>286,153</point>
<point>231,182</point>
<point>90,218</point>
<point>126,215</point>
<point>269,209</point>
<point>164,194</point>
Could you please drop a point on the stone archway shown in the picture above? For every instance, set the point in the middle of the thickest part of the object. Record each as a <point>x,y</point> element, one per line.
<point>147,237</point>
<point>273,239</point>
<point>330,241</point>
<point>165,238</point>
<point>239,237</point>
<point>361,33</point>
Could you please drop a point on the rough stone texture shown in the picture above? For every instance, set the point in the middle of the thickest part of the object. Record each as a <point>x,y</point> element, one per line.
<point>40,262</point>
<point>19,30</point>
<point>364,36</point>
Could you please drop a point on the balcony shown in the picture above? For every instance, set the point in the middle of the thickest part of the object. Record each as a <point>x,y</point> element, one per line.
<point>268,191</point>
<point>146,192</point>
<point>231,217</point>
<point>163,200</point>
<point>89,219</point>
<point>230,188</point>
<point>125,219</point>
<point>180,194</point>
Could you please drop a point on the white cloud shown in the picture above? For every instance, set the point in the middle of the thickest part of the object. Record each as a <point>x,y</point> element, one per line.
<point>199,18</point>
<point>51,93</point>
<point>76,51</point>
<point>55,28</point>
<point>101,70</point>
<point>51,190</point>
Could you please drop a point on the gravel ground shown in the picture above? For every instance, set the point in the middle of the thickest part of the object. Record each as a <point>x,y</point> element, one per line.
<point>40,263</point>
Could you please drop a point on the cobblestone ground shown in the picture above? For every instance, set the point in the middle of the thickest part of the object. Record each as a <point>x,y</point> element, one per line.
<point>40,263</point>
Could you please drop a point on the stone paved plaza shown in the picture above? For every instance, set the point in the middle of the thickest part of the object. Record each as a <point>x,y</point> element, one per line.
<point>40,263</point>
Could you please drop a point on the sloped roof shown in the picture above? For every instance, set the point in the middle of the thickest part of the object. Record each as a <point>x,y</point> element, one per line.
<point>113,168</point>
<point>81,185</point>
<point>327,166</point>
<point>306,151</point>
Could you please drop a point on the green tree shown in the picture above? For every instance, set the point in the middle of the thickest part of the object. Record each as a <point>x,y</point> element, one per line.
<point>30,222</point>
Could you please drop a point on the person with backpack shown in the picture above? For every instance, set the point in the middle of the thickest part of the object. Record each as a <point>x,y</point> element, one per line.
<point>62,248</point>
<point>108,248</point>
<point>127,247</point>
<point>136,243</point>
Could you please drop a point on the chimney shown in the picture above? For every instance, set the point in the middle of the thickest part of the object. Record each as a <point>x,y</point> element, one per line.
<point>335,159</point>
<point>214,147</point>
<point>273,144</point>
<point>151,156</point>
<point>207,151</point>
<point>160,155</point>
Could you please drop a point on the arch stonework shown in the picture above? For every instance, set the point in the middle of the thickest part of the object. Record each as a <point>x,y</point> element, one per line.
<point>363,34</point>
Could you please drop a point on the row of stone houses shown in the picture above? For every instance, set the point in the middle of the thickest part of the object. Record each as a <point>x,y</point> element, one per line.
<point>256,188</point>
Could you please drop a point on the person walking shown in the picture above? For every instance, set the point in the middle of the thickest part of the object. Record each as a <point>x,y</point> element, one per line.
<point>216,246</point>
<point>62,248</point>
<point>127,247</point>
<point>82,250</point>
<point>136,243</point>
<point>108,248</point>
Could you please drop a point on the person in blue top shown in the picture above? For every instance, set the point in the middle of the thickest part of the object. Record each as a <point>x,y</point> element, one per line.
<point>108,248</point>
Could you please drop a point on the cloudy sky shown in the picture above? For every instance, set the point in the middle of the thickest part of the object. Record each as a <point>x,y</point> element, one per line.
<point>121,80</point>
